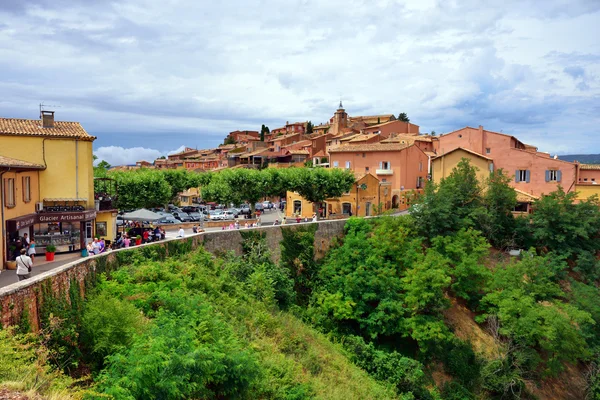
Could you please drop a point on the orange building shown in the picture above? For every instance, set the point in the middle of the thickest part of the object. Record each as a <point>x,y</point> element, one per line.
<point>532,172</point>
<point>404,167</point>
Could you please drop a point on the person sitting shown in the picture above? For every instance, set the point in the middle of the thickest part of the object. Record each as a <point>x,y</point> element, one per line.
<point>276,222</point>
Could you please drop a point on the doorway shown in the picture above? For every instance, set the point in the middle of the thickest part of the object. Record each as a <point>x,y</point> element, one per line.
<point>368,209</point>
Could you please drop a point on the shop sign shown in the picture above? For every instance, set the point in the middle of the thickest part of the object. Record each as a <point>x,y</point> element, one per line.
<point>66,217</point>
<point>27,220</point>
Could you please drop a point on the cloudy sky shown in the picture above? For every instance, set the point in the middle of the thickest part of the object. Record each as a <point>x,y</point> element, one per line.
<point>148,77</point>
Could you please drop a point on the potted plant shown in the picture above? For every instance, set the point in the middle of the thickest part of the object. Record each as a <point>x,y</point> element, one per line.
<point>11,264</point>
<point>50,250</point>
<point>138,240</point>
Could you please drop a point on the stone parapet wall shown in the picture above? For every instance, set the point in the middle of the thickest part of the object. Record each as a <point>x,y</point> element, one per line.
<point>23,299</point>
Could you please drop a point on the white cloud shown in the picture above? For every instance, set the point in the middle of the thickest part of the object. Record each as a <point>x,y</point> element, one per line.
<point>116,155</point>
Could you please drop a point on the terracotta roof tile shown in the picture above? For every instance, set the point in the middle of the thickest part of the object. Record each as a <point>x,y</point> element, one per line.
<point>368,147</point>
<point>303,152</point>
<point>33,127</point>
<point>414,138</point>
<point>524,197</point>
<point>14,163</point>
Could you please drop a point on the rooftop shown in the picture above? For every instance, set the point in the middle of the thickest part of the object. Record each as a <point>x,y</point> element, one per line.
<point>467,151</point>
<point>33,127</point>
<point>7,162</point>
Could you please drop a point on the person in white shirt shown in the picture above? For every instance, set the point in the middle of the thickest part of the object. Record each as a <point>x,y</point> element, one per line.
<point>24,265</point>
<point>181,232</point>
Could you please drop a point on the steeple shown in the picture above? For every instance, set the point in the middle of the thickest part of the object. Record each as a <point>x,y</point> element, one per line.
<point>341,107</point>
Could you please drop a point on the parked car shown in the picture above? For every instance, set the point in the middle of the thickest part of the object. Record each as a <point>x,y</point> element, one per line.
<point>182,216</point>
<point>167,219</point>
<point>215,215</point>
<point>258,207</point>
<point>245,209</point>
<point>190,209</point>
<point>235,211</point>
<point>229,214</point>
<point>196,216</point>
<point>267,204</point>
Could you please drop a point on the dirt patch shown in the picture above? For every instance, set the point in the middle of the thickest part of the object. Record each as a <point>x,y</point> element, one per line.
<point>462,321</point>
<point>6,394</point>
<point>569,385</point>
<point>440,377</point>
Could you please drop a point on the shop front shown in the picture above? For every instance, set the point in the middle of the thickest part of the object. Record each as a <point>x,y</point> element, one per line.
<point>68,231</point>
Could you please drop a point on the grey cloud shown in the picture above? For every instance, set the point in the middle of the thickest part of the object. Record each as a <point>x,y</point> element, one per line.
<point>575,72</point>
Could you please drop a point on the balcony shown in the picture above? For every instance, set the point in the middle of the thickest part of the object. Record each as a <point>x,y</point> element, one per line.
<point>384,171</point>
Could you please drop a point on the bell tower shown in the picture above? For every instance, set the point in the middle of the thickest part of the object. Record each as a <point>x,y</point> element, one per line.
<point>340,120</point>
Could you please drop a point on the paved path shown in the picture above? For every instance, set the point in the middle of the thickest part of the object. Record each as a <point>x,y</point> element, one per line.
<point>8,277</point>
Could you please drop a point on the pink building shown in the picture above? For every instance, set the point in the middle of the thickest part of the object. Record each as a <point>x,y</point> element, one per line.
<point>532,172</point>
<point>403,166</point>
<point>589,173</point>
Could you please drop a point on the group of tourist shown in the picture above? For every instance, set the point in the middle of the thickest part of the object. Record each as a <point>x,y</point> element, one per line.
<point>298,220</point>
<point>24,254</point>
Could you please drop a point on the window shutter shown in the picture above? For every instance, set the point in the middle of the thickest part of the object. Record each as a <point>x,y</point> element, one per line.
<point>547,176</point>
<point>558,176</point>
<point>380,164</point>
<point>517,176</point>
<point>527,176</point>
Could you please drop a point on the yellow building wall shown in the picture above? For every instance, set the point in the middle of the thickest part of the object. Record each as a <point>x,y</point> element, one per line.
<point>69,172</point>
<point>110,218</point>
<point>378,195</point>
<point>20,208</point>
<point>584,191</point>
<point>442,167</point>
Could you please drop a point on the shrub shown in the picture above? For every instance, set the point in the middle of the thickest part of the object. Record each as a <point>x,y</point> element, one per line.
<point>109,325</point>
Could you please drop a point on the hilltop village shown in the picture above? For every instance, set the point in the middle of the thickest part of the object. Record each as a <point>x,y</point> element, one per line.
<point>391,159</point>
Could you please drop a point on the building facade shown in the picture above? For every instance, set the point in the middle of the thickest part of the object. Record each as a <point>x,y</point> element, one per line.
<point>48,185</point>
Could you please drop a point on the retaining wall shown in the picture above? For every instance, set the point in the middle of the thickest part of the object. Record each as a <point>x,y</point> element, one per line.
<point>23,299</point>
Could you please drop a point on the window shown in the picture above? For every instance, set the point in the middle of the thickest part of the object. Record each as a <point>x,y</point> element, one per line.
<point>366,169</point>
<point>297,207</point>
<point>384,180</point>
<point>385,165</point>
<point>364,155</point>
<point>26,189</point>
<point>101,229</point>
<point>585,179</point>
<point>553,175</point>
<point>420,166</point>
<point>419,182</point>
<point>346,208</point>
<point>347,164</point>
<point>522,175</point>
<point>336,164</point>
<point>459,136</point>
<point>488,150</point>
<point>9,192</point>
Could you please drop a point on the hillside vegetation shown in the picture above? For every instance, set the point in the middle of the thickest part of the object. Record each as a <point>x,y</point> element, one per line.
<point>426,306</point>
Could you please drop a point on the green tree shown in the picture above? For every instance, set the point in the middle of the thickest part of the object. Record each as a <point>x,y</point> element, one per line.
<point>142,188</point>
<point>229,140</point>
<point>179,180</point>
<point>309,127</point>
<point>403,117</point>
<point>318,184</point>
<point>497,222</point>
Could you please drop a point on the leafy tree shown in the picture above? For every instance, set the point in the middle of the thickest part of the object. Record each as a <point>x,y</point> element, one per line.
<point>567,228</point>
<point>264,130</point>
<point>142,188</point>
<point>229,140</point>
<point>465,253</point>
<point>453,204</point>
<point>403,117</point>
<point>432,133</point>
<point>524,297</point>
<point>179,180</point>
<point>318,184</point>
<point>497,221</point>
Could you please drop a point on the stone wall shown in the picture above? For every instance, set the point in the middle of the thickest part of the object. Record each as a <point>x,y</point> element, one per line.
<point>23,299</point>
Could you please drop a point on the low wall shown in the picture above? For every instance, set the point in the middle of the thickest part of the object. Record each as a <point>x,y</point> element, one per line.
<point>207,224</point>
<point>23,299</point>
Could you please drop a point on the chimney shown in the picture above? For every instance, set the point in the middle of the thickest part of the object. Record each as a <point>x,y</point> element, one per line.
<point>48,119</point>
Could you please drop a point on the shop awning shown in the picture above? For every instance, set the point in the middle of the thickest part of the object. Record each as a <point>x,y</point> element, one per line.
<point>142,215</point>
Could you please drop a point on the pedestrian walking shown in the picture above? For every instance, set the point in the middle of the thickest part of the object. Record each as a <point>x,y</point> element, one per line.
<point>24,265</point>
<point>31,251</point>
<point>314,218</point>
